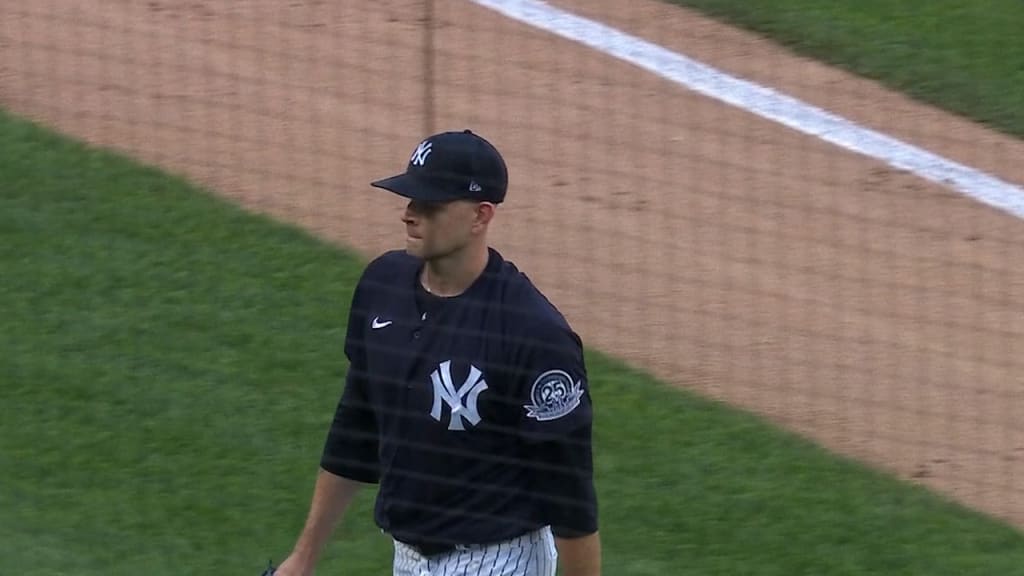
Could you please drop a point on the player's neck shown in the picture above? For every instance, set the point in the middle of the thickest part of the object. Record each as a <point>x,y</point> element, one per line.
<point>453,274</point>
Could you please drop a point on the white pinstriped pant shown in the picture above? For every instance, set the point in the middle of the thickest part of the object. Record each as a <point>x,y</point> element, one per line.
<point>531,554</point>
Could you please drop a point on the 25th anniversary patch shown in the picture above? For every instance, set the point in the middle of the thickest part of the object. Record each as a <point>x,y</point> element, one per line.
<point>554,394</point>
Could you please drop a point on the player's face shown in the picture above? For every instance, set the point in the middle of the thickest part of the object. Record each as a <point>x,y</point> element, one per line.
<point>437,230</point>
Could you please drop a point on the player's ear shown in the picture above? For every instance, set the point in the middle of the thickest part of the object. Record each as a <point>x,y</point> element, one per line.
<point>484,214</point>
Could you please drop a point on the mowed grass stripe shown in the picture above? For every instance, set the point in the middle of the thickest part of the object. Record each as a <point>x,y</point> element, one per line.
<point>170,365</point>
<point>964,56</point>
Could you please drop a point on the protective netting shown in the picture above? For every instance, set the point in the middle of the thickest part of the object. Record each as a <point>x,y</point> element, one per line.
<point>861,305</point>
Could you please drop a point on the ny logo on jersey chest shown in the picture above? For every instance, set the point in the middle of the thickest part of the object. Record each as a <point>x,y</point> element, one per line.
<point>462,401</point>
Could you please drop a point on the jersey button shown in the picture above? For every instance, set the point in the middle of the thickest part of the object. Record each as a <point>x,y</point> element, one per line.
<point>416,334</point>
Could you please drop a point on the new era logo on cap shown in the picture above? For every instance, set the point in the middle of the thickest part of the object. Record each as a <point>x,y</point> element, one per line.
<point>461,166</point>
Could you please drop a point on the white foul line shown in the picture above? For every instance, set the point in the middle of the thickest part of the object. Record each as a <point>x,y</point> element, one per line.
<point>765,102</point>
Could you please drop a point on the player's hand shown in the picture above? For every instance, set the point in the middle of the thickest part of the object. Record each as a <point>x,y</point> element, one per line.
<point>294,566</point>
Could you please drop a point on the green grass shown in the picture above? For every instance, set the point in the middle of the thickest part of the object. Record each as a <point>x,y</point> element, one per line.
<point>963,55</point>
<point>170,365</point>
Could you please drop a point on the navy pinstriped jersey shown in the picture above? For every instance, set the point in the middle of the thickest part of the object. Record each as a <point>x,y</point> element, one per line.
<point>472,413</point>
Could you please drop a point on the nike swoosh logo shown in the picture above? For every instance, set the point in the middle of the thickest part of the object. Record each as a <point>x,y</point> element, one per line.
<point>377,324</point>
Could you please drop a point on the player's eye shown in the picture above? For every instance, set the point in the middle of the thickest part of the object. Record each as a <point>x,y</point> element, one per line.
<point>426,208</point>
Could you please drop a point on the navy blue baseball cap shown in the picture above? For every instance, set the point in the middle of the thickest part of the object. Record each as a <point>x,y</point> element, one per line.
<point>452,166</point>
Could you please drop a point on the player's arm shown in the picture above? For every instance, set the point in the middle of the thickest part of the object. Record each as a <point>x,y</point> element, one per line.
<point>557,427</point>
<point>349,457</point>
<point>331,497</point>
<point>565,486</point>
<point>580,556</point>
<point>349,461</point>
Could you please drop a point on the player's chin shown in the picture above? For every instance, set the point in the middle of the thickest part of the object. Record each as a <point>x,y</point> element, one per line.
<point>414,246</point>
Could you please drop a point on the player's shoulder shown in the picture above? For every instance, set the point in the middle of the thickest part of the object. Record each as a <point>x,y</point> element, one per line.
<point>389,265</point>
<point>527,306</point>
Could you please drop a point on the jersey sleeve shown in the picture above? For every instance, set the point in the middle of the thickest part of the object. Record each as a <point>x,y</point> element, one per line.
<point>555,424</point>
<point>351,447</point>
<point>552,384</point>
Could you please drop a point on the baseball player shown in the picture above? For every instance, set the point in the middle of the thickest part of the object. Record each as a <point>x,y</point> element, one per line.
<point>466,399</point>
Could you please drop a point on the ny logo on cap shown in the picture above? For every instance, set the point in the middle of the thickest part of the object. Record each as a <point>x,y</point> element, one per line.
<point>419,157</point>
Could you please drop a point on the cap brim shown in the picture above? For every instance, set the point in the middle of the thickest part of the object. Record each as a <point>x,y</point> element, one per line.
<point>412,188</point>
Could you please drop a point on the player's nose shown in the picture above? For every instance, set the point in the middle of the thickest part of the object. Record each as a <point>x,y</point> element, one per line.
<point>409,215</point>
